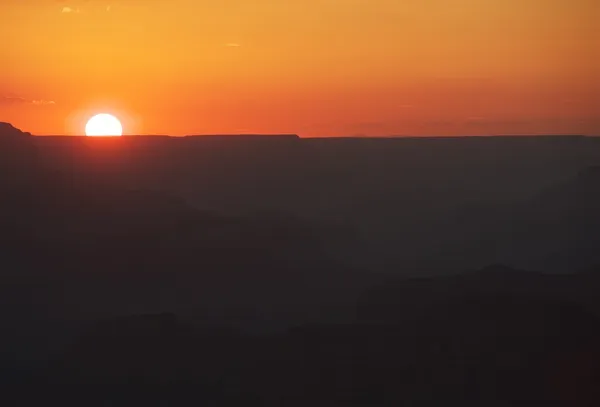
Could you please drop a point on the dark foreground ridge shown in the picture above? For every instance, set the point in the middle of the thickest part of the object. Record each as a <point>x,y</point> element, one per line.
<point>268,271</point>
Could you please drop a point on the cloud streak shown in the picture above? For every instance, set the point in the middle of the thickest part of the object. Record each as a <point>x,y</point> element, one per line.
<point>17,100</point>
<point>68,10</point>
<point>71,9</point>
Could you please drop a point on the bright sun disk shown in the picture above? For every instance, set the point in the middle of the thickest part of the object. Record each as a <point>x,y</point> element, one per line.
<point>103,125</point>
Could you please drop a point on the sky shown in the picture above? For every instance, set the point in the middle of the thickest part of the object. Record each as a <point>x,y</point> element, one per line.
<point>310,67</point>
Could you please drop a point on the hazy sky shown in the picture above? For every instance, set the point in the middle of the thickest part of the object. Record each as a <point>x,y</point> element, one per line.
<point>313,67</point>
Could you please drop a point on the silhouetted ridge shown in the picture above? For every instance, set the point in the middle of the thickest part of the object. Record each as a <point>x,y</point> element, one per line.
<point>243,137</point>
<point>18,160</point>
<point>8,130</point>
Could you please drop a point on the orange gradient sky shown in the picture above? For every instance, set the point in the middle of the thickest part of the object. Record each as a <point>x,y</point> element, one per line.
<point>312,67</point>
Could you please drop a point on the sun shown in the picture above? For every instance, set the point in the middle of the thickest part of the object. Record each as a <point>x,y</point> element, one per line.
<point>103,125</point>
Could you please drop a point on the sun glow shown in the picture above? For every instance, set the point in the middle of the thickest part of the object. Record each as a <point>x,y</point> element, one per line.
<point>103,125</point>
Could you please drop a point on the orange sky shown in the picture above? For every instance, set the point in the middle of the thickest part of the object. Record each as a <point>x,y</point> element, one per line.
<point>312,67</point>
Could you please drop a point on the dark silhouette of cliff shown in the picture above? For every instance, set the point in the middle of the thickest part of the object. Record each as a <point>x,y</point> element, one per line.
<point>76,244</point>
<point>397,200</point>
<point>274,270</point>
<point>16,151</point>
<point>8,131</point>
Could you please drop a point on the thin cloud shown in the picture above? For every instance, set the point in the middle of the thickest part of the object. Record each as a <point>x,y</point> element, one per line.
<point>9,100</point>
<point>17,100</point>
<point>233,45</point>
<point>41,102</point>
<point>67,10</point>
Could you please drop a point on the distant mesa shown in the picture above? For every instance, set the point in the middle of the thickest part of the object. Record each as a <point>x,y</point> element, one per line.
<point>289,135</point>
<point>244,137</point>
<point>8,130</point>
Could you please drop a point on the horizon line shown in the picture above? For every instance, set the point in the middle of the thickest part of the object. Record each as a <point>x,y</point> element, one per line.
<point>297,136</point>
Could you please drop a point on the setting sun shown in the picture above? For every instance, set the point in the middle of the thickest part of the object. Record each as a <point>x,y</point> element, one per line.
<point>104,125</point>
